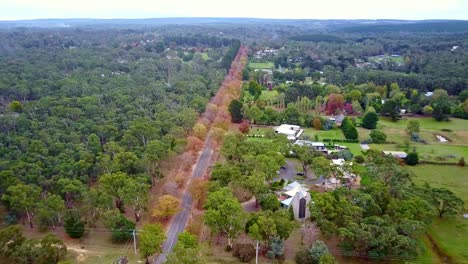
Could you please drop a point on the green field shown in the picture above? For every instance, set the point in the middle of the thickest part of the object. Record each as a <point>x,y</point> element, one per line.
<point>269,95</point>
<point>398,59</point>
<point>451,234</point>
<point>204,55</point>
<point>261,65</point>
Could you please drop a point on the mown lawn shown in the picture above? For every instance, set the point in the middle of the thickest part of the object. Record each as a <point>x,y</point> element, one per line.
<point>426,123</point>
<point>451,234</point>
<point>261,65</point>
<point>437,153</point>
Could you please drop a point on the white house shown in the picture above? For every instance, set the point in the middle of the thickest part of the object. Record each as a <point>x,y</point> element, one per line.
<point>296,196</point>
<point>292,132</point>
<point>318,146</point>
<point>396,154</point>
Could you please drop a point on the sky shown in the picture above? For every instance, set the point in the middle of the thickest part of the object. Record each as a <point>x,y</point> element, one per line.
<point>296,9</point>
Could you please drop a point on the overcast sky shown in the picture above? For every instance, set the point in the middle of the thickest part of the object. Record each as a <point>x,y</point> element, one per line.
<point>312,9</point>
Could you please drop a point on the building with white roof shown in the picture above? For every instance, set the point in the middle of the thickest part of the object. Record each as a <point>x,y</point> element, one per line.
<point>298,197</point>
<point>396,154</point>
<point>292,132</point>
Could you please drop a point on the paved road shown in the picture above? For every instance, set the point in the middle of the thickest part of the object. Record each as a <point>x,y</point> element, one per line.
<point>180,220</point>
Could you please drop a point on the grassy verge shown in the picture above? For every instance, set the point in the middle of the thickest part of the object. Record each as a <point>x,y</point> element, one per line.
<point>261,65</point>
<point>451,234</point>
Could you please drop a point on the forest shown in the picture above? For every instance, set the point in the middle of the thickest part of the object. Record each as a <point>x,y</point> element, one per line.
<point>86,115</point>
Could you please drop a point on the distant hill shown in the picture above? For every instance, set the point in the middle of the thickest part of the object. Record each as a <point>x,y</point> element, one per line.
<point>416,26</point>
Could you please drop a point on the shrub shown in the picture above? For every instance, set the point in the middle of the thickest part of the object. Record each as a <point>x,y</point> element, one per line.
<point>345,154</point>
<point>244,252</point>
<point>317,250</point>
<point>461,162</point>
<point>73,225</point>
<point>412,159</point>
<point>303,257</point>
<point>359,159</point>
<point>378,136</point>
<point>415,137</point>
<point>276,248</point>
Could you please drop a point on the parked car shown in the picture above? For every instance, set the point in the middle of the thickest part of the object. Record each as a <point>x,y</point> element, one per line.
<point>300,173</point>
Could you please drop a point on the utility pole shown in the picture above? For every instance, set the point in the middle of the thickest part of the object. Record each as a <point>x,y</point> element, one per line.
<point>134,241</point>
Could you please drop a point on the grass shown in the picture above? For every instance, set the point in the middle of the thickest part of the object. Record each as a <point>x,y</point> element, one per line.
<point>454,178</point>
<point>269,95</point>
<point>332,133</point>
<point>429,123</point>
<point>436,153</point>
<point>451,234</point>
<point>261,65</point>
<point>204,55</point>
<point>398,59</point>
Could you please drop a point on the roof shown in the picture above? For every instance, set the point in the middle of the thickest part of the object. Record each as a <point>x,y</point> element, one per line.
<point>292,185</point>
<point>288,201</point>
<point>309,143</point>
<point>295,188</point>
<point>289,130</point>
<point>429,94</point>
<point>338,162</point>
<point>398,154</point>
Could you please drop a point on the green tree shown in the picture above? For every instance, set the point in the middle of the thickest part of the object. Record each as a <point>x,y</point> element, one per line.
<point>412,127</point>
<point>187,240</point>
<point>71,190</point>
<point>440,105</point>
<point>11,237</point>
<point>445,201</point>
<point>378,136</point>
<point>412,158</point>
<point>23,198</point>
<point>155,152</point>
<point>49,210</point>
<point>224,214</point>
<point>73,224</point>
<point>235,108</point>
<point>150,239</point>
<point>16,106</point>
<point>114,185</point>
<point>51,250</point>
<point>370,120</point>
<point>135,193</point>
<point>269,202</point>
<point>121,228</point>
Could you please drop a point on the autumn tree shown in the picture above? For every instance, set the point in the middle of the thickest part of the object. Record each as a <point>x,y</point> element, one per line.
<point>166,207</point>
<point>244,128</point>
<point>335,103</point>
<point>199,130</point>
<point>198,189</point>
<point>317,123</point>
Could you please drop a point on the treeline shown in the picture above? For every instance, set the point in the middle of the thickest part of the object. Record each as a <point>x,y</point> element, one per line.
<point>200,40</point>
<point>230,54</point>
<point>318,38</point>
<point>427,26</point>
